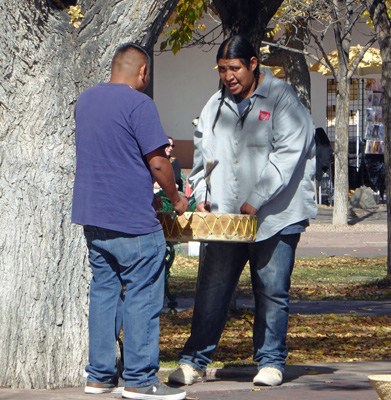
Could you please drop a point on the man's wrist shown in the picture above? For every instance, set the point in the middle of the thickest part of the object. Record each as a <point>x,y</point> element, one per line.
<point>176,199</point>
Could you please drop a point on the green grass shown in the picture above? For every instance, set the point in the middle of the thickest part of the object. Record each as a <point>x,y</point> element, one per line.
<point>339,269</point>
<point>312,278</point>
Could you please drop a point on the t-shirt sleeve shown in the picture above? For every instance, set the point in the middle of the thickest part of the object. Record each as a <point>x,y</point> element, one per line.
<point>147,128</point>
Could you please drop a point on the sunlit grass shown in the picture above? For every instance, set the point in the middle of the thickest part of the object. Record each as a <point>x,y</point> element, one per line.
<point>311,338</point>
<point>312,278</point>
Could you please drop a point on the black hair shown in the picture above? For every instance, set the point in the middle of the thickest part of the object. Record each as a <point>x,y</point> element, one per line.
<point>239,47</point>
<point>130,45</point>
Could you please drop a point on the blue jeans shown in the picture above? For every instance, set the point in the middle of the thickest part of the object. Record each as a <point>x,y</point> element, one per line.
<point>136,262</point>
<point>271,265</point>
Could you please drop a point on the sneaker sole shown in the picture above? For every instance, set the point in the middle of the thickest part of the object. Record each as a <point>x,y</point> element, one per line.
<point>267,383</point>
<point>93,390</point>
<point>141,396</point>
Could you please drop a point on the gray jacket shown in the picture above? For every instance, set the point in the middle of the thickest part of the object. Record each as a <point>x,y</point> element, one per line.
<point>268,163</point>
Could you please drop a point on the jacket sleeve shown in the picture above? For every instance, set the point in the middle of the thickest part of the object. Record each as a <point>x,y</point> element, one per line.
<point>293,142</point>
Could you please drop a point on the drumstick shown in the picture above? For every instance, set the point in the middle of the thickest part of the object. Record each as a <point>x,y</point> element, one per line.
<point>210,166</point>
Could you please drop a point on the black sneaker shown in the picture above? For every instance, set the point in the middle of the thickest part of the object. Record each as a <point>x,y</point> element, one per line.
<point>157,391</point>
<point>98,388</point>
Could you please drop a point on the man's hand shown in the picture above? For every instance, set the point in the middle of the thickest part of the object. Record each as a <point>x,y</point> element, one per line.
<point>181,205</point>
<point>247,209</point>
<point>203,207</point>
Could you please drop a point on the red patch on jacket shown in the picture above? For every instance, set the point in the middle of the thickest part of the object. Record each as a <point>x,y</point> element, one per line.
<point>264,116</point>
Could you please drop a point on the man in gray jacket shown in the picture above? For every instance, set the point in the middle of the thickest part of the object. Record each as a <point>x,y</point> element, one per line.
<point>263,138</point>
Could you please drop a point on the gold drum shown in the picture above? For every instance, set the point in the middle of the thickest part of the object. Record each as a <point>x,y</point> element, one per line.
<point>208,227</point>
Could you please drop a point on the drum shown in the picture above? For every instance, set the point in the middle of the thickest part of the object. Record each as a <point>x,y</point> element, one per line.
<point>207,227</point>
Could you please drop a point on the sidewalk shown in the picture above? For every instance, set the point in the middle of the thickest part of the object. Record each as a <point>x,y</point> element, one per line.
<point>334,381</point>
<point>365,236</point>
<point>337,381</point>
<point>311,307</point>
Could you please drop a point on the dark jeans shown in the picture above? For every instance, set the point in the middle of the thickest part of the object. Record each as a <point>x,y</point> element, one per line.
<point>271,264</point>
<point>137,262</point>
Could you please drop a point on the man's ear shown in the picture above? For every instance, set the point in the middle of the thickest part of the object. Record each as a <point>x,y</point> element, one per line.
<point>143,73</point>
<point>253,63</point>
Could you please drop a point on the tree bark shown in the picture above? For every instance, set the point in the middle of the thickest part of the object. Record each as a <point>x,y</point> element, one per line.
<point>297,72</point>
<point>295,66</point>
<point>378,12</point>
<point>45,63</point>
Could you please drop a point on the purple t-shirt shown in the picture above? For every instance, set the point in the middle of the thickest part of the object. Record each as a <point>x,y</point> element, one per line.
<point>116,127</point>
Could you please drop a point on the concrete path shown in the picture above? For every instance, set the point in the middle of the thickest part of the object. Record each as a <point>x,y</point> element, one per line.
<point>364,236</point>
<point>312,307</point>
<point>334,381</point>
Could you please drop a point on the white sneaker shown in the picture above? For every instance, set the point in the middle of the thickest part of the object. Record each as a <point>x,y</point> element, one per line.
<point>268,376</point>
<point>186,375</point>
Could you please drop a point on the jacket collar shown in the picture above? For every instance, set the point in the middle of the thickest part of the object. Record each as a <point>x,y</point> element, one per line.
<point>263,89</point>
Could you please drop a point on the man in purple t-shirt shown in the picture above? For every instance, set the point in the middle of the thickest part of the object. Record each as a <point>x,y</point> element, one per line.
<point>119,152</point>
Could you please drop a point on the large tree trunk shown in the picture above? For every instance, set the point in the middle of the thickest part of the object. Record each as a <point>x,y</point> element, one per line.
<point>246,17</point>
<point>296,68</point>
<point>45,62</point>
<point>378,12</point>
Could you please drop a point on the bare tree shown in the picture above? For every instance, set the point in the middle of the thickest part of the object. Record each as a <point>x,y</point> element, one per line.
<point>50,52</point>
<point>344,16</point>
<point>380,16</point>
